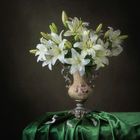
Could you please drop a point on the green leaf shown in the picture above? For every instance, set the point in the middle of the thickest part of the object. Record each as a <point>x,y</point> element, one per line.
<point>68,44</point>
<point>76,37</point>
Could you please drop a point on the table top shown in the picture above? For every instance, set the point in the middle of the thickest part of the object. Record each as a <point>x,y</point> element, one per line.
<point>96,125</point>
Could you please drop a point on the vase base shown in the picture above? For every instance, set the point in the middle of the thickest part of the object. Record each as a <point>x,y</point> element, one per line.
<point>79,111</point>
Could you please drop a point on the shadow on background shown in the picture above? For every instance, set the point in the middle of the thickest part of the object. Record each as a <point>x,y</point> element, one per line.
<point>28,90</point>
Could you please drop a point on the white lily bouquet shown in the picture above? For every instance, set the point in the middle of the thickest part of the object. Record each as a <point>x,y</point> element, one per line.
<point>81,51</point>
<point>78,47</point>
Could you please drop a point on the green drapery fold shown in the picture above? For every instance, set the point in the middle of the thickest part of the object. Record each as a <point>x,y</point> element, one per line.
<point>93,126</point>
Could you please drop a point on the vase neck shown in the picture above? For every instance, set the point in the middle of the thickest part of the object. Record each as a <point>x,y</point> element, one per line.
<point>78,77</point>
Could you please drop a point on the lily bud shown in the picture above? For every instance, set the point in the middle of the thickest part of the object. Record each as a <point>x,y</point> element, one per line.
<point>98,29</point>
<point>123,37</point>
<point>53,28</point>
<point>45,35</point>
<point>64,18</point>
<point>106,34</point>
<point>33,51</point>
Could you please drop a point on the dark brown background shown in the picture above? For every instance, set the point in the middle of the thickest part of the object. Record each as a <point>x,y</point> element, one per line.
<point>28,90</point>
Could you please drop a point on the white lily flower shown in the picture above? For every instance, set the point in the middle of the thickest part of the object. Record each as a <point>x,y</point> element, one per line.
<point>44,54</point>
<point>49,52</point>
<point>56,38</point>
<point>101,58</point>
<point>48,43</point>
<point>113,34</point>
<point>105,51</point>
<point>59,52</point>
<point>78,62</point>
<point>116,42</point>
<point>101,62</point>
<point>41,52</point>
<point>102,43</point>
<point>93,37</point>
<point>48,61</point>
<point>114,37</point>
<point>116,50</point>
<point>54,54</point>
<point>75,26</point>
<point>88,44</point>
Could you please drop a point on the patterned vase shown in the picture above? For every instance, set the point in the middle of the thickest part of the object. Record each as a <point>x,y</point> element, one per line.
<point>79,90</point>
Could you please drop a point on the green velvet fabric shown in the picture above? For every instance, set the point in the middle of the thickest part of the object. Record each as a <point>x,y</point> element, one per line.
<point>93,126</point>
